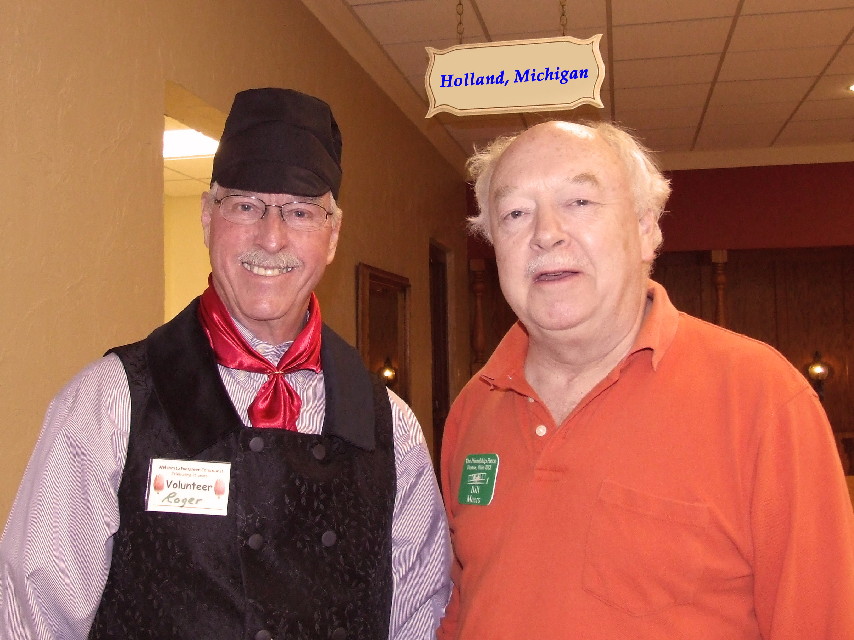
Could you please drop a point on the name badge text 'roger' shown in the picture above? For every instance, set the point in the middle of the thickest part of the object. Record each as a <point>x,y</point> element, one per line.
<point>188,486</point>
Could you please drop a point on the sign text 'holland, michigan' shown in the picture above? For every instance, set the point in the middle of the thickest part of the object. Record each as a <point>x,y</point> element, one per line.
<point>528,75</point>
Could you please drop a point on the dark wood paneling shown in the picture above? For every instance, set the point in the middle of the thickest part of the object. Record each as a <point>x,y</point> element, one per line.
<point>750,297</point>
<point>686,275</point>
<point>799,301</point>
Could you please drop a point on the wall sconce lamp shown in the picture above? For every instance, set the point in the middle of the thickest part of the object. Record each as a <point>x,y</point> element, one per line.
<point>388,373</point>
<point>818,371</point>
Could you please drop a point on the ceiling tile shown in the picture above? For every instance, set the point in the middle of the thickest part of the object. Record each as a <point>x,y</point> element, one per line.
<point>540,15</point>
<point>668,139</point>
<point>653,72</point>
<point>512,122</point>
<point>682,117</point>
<point>199,168</point>
<point>775,63</point>
<point>634,12</point>
<point>833,87</point>
<point>416,21</point>
<point>785,6</point>
<point>470,138</point>
<point>843,62</point>
<point>685,95</point>
<point>184,188</point>
<point>776,90</point>
<point>670,39</point>
<point>780,30</point>
<point>582,112</point>
<point>579,33</point>
<point>171,174</point>
<point>749,112</point>
<point>736,136</point>
<point>817,132</point>
<point>411,57</point>
<point>826,110</point>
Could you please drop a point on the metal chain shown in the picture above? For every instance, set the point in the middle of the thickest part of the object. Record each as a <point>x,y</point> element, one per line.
<point>460,21</point>
<point>563,17</point>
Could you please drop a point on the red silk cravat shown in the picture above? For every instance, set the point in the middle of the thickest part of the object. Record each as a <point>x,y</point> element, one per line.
<point>277,405</point>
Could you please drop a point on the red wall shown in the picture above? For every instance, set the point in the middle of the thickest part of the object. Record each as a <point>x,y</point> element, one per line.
<point>807,205</point>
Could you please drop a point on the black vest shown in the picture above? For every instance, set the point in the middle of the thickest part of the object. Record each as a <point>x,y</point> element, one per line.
<point>305,550</point>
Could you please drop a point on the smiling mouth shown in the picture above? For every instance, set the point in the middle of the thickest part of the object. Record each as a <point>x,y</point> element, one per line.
<point>266,271</point>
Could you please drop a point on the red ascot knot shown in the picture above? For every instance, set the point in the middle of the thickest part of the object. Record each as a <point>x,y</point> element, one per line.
<point>277,405</point>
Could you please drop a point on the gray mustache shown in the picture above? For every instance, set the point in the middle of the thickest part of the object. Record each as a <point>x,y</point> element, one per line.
<point>281,260</point>
<point>553,263</point>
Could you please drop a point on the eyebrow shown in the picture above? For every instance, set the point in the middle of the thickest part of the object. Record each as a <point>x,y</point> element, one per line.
<point>585,178</point>
<point>581,178</point>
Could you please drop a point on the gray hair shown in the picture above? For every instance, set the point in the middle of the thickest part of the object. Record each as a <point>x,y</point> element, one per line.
<point>337,213</point>
<point>650,189</point>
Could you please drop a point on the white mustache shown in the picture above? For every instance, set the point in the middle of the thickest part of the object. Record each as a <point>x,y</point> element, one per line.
<point>550,263</point>
<point>281,260</point>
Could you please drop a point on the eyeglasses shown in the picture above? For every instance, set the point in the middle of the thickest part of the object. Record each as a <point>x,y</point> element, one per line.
<point>302,216</point>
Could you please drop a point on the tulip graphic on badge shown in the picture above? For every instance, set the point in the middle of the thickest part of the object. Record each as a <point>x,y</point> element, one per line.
<point>159,483</point>
<point>219,488</point>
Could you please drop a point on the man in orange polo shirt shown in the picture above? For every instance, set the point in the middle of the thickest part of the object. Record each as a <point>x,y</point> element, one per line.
<point>619,469</point>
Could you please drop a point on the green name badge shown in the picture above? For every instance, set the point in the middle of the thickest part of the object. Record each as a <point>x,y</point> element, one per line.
<point>477,485</point>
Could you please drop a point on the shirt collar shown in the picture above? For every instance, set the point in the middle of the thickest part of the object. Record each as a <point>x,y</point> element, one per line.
<point>272,352</point>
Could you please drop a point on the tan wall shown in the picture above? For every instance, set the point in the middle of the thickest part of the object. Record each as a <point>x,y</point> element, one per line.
<point>82,104</point>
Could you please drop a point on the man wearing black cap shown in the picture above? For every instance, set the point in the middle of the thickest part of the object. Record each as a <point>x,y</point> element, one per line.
<point>238,473</point>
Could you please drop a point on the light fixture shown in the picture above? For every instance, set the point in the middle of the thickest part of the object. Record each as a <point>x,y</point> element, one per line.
<point>818,371</point>
<point>187,143</point>
<point>388,373</point>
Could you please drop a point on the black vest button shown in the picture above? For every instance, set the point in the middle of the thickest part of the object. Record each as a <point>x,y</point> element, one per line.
<point>339,634</point>
<point>263,635</point>
<point>256,444</point>
<point>319,451</point>
<point>255,541</point>
<point>329,538</point>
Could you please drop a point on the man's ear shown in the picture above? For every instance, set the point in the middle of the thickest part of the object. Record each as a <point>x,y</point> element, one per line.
<point>207,212</point>
<point>333,241</point>
<point>646,228</point>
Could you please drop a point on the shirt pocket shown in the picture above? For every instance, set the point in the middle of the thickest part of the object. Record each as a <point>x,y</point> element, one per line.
<point>644,553</point>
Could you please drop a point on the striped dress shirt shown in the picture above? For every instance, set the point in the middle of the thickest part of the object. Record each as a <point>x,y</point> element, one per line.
<point>57,544</point>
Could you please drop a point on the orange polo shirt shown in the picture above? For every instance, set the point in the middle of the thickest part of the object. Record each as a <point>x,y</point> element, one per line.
<point>695,493</point>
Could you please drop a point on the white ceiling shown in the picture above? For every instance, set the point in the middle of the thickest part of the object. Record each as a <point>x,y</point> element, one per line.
<point>709,83</point>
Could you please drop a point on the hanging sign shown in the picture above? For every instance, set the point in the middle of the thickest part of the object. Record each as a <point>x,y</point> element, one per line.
<point>547,74</point>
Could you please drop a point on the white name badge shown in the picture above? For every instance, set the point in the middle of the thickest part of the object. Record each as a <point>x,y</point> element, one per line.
<point>188,486</point>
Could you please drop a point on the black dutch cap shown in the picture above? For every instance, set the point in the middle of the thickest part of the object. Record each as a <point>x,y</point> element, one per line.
<point>279,141</point>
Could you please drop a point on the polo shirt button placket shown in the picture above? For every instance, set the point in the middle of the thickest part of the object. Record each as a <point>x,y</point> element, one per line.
<point>256,444</point>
